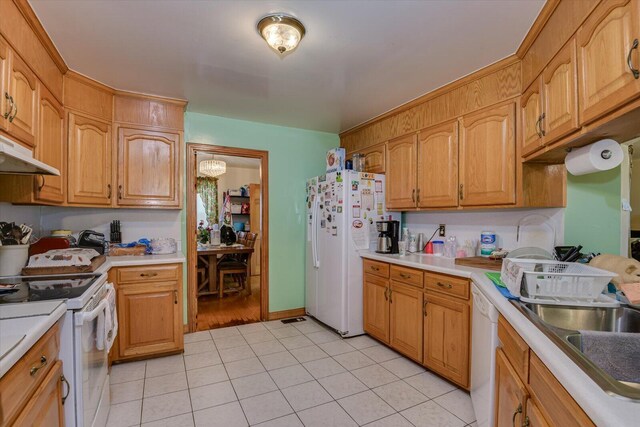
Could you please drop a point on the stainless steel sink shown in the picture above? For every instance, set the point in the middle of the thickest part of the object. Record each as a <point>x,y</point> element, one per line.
<point>562,325</point>
<point>614,319</point>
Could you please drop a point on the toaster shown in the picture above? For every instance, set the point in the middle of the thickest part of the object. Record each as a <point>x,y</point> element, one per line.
<point>92,240</point>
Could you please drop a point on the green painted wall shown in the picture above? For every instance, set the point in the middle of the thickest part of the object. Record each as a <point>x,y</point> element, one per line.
<point>592,216</point>
<point>294,156</point>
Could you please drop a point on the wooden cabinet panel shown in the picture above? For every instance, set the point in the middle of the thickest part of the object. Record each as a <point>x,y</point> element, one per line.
<point>23,87</point>
<point>510,393</point>
<point>560,95</point>
<point>148,168</point>
<point>533,417</point>
<point>156,273</point>
<point>605,42</point>
<point>5,105</point>
<point>89,161</point>
<point>51,149</point>
<point>530,118</point>
<point>555,402</point>
<point>150,319</point>
<point>487,157</point>
<point>376,268</point>
<point>446,338</point>
<point>409,276</point>
<point>437,180</point>
<point>401,172</point>
<point>449,285</point>
<point>374,158</point>
<point>405,317</point>
<point>376,307</point>
<point>44,409</point>
<point>515,348</point>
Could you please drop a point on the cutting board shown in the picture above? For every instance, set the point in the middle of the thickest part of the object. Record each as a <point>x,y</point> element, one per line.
<point>45,271</point>
<point>480,262</point>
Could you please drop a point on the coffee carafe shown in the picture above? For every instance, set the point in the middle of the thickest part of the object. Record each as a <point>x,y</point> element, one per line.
<point>388,236</point>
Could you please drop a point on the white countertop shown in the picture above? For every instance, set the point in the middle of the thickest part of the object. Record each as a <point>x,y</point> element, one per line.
<point>128,261</point>
<point>22,325</point>
<point>604,410</point>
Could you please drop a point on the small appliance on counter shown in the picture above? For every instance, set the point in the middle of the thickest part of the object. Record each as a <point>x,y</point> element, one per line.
<point>388,236</point>
<point>92,240</point>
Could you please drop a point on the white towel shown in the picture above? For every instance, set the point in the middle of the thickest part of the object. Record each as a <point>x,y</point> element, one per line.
<point>111,318</point>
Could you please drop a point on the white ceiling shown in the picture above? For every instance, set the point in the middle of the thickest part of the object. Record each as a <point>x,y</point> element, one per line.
<point>358,59</point>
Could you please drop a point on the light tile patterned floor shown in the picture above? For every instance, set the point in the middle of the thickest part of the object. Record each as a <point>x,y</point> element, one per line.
<point>273,374</point>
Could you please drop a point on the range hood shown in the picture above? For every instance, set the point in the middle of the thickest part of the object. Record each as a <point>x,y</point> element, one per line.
<point>18,160</point>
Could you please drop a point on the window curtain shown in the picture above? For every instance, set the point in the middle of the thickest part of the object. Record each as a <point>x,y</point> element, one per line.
<point>207,187</point>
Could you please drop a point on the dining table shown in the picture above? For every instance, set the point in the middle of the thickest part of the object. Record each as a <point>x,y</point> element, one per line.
<point>210,254</point>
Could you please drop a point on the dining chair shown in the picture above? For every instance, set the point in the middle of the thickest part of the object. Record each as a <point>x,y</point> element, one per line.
<point>237,268</point>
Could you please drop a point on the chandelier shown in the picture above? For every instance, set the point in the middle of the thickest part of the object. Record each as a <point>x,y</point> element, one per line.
<point>212,168</point>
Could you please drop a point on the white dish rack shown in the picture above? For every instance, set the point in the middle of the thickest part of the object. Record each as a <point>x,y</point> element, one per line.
<point>556,282</point>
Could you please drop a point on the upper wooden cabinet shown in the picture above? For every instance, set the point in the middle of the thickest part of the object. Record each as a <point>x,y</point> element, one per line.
<point>437,182</point>
<point>51,149</point>
<point>608,59</point>
<point>148,168</point>
<point>374,158</point>
<point>530,117</point>
<point>401,172</point>
<point>89,161</point>
<point>23,101</point>
<point>488,157</point>
<point>5,104</point>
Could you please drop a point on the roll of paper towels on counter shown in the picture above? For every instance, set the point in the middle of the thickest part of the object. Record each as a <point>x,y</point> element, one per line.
<point>600,156</point>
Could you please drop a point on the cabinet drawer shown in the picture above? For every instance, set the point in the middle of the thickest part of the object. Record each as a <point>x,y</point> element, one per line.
<point>375,267</point>
<point>26,375</point>
<point>410,276</point>
<point>515,348</point>
<point>450,285</point>
<point>148,274</point>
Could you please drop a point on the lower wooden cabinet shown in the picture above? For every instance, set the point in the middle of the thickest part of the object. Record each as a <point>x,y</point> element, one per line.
<point>44,409</point>
<point>511,393</point>
<point>376,307</point>
<point>149,301</point>
<point>405,317</point>
<point>446,337</point>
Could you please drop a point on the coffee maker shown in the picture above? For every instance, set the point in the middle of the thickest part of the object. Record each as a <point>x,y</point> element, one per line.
<point>388,236</point>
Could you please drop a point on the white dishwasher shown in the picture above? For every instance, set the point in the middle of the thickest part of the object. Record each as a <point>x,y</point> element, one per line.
<point>484,341</point>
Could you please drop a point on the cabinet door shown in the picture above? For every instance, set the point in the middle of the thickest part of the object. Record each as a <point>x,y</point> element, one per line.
<point>487,157</point>
<point>44,409</point>
<point>50,148</point>
<point>89,161</point>
<point>401,172</point>
<point>148,168</point>
<point>446,338</point>
<point>374,158</point>
<point>533,417</point>
<point>5,104</point>
<point>376,307</point>
<point>405,317</point>
<point>150,319</point>
<point>438,166</point>
<point>510,393</point>
<point>560,88</point>
<point>23,87</point>
<point>605,49</point>
<point>530,118</point>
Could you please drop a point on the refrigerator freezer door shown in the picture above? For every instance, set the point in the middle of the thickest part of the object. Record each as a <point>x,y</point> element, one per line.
<point>311,270</point>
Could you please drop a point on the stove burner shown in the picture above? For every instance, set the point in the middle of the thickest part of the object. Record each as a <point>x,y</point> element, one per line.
<point>41,288</point>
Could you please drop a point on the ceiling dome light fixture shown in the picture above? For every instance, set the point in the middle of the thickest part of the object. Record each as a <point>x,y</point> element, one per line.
<point>212,168</point>
<point>281,32</point>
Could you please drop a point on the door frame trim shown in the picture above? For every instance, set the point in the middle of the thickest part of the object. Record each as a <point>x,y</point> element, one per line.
<point>191,220</point>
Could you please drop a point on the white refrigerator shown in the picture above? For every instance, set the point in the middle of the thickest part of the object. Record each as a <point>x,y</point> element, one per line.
<point>342,210</point>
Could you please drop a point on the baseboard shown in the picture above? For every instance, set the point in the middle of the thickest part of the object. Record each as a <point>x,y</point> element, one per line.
<point>294,312</point>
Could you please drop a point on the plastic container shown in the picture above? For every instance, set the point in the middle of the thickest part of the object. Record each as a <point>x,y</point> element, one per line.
<point>358,162</point>
<point>163,245</point>
<point>487,243</point>
<point>450,247</point>
<point>12,259</point>
<point>549,280</point>
<point>438,247</point>
<point>428,249</point>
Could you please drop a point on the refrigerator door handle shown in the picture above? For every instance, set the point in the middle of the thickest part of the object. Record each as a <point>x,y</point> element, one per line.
<point>314,234</point>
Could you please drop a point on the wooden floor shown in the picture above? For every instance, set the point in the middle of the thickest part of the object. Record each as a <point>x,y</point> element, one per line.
<point>231,310</point>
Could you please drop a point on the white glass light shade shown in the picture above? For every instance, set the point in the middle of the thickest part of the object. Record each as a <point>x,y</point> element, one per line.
<point>212,168</point>
<point>282,33</point>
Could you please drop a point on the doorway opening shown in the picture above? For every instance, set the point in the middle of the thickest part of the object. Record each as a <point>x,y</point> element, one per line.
<point>227,282</point>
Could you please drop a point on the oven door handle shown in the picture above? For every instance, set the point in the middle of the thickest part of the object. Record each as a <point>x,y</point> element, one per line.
<point>86,316</point>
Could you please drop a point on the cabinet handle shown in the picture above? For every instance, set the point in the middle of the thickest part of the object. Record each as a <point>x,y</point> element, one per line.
<point>444,285</point>
<point>386,294</point>
<point>41,186</point>
<point>418,196</point>
<point>175,296</point>
<point>15,113</point>
<point>461,192</point>
<point>390,295</point>
<point>9,98</point>
<point>515,414</point>
<point>108,191</point>
<point>148,274</point>
<point>64,380</point>
<point>424,308</point>
<point>538,126</point>
<point>542,117</point>
<point>34,369</point>
<point>405,276</point>
<point>526,422</point>
<point>635,71</point>
<point>375,268</point>
<point>413,195</point>
<point>119,191</point>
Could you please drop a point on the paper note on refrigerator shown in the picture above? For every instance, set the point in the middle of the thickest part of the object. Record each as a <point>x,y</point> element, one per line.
<point>359,234</point>
<point>366,199</point>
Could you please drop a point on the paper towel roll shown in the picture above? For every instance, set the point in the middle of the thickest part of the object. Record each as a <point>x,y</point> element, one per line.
<point>600,156</point>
